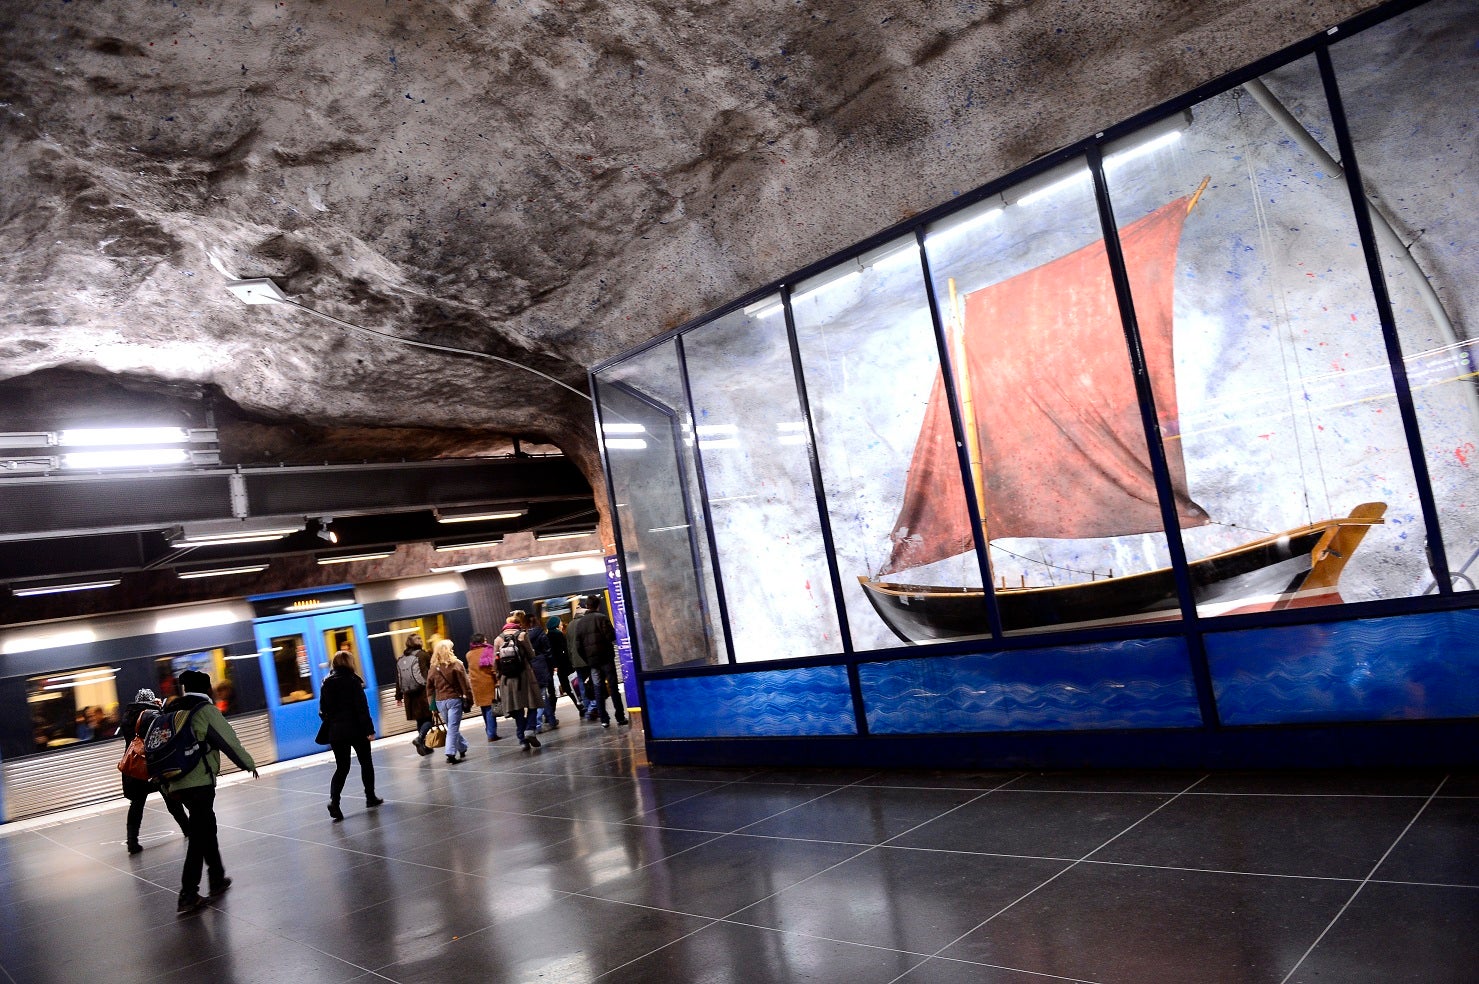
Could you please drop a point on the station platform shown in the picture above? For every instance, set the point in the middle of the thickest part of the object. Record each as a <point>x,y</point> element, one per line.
<point>581,862</point>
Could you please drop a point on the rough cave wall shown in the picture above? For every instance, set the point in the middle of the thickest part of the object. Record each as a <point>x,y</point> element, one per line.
<point>546,182</point>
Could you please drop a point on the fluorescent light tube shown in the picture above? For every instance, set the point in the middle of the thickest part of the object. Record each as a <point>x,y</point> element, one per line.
<point>221,571</point>
<point>61,588</point>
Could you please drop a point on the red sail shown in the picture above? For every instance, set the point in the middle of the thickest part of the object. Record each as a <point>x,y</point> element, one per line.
<point>1062,444</point>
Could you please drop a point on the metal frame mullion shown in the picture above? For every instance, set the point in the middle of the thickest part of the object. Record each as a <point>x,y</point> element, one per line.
<point>703,491</point>
<point>957,425</point>
<point>1150,421</point>
<point>1437,553</point>
<point>633,637</point>
<point>828,543</point>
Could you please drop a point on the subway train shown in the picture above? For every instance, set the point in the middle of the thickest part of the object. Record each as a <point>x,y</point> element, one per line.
<point>62,683</point>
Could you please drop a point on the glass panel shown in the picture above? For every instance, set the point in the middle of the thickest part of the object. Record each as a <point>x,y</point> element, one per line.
<point>777,585</point>
<point>212,662</point>
<point>73,706</point>
<point>342,637</point>
<point>290,658</point>
<point>1067,492</point>
<point>674,606</point>
<point>1410,88</point>
<point>1281,408</point>
<point>869,412</point>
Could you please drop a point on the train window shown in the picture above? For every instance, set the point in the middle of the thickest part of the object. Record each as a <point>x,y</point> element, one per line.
<point>342,637</point>
<point>426,626</point>
<point>290,659</point>
<point>212,662</point>
<point>73,706</point>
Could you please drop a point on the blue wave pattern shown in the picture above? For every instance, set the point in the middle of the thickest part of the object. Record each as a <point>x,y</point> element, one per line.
<point>1137,683</point>
<point>781,703</point>
<point>1407,667</point>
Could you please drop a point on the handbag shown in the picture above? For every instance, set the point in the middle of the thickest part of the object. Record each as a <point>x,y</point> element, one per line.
<point>134,764</point>
<point>437,736</point>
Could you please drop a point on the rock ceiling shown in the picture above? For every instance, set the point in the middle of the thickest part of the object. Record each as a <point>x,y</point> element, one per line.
<point>549,182</point>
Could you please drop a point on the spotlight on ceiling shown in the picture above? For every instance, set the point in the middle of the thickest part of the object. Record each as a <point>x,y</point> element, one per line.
<point>473,514</point>
<point>325,532</point>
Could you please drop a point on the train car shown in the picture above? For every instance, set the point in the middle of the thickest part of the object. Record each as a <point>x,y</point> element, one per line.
<point>63,683</point>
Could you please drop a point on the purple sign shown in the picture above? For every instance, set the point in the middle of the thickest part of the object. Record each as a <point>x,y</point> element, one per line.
<point>619,621</point>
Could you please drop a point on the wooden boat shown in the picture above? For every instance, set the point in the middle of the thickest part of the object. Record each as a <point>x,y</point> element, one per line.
<point>1292,570</point>
<point>1056,446</point>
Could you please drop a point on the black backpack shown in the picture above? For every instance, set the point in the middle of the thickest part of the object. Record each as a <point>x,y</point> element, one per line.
<point>510,656</point>
<point>170,746</point>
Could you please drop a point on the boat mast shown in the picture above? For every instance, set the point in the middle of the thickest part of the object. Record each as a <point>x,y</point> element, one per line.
<point>968,403</point>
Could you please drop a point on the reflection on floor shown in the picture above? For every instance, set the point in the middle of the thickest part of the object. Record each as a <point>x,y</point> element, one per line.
<point>579,862</point>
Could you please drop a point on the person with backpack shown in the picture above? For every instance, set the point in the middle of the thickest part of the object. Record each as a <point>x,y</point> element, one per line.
<point>452,691</point>
<point>594,639</point>
<point>185,740</point>
<point>136,791</point>
<point>347,725</point>
<point>482,672</point>
<point>543,672</point>
<point>518,687</point>
<point>410,689</point>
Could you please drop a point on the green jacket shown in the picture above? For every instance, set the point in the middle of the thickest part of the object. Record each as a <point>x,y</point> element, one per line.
<point>210,726</point>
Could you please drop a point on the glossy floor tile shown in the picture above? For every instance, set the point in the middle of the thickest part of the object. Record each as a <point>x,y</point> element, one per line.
<point>580,862</point>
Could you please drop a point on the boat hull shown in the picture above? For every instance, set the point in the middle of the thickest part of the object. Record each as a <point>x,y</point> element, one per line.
<point>1296,569</point>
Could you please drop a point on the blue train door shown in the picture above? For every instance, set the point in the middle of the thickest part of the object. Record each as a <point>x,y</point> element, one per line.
<point>294,652</point>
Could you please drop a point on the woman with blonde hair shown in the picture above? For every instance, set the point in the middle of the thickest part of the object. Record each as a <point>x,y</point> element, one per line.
<point>448,684</point>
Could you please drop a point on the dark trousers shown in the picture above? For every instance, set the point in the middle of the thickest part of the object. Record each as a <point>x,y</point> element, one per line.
<point>137,797</point>
<point>341,749</point>
<point>200,807</point>
<point>604,680</point>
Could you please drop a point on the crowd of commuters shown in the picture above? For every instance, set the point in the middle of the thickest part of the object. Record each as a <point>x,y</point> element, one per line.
<point>521,673</point>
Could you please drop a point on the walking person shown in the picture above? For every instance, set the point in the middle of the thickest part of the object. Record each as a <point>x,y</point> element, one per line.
<point>559,649</point>
<point>347,725</point>
<point>410,688</point>
<point>518,687</point>
<point>594,640</point>
<point>544,673</point>
<point>136,791</point>
<point>482,672</point>
<point>449,686</point>
<point>196,789</point>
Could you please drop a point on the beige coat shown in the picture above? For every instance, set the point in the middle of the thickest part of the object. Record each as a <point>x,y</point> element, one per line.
<point>522,693</point>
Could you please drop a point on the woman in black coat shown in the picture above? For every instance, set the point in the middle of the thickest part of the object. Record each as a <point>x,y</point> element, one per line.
<point>347,724</point>
<point>138,790</point>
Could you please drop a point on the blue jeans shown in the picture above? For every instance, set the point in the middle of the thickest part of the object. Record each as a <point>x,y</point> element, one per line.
<point>490,721</point>
<point>452,713</point>
<point>523,720</point>
<point>605,673</point>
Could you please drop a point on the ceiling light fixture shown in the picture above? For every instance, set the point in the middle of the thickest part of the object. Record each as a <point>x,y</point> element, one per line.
<point>568,535</point>
<point>221,571</point>
<point>231,531</point>
<point>46,589</point>
<point>352,558</point>
<point>324,530</point>
<point>444,546</point>
<point>474,514</point>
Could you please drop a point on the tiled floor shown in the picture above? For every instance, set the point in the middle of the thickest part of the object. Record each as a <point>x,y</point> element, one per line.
<point>579,862</point>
